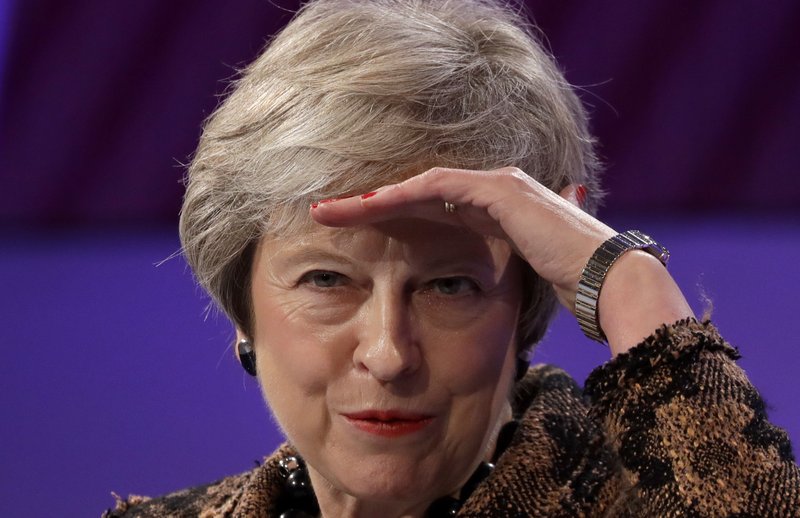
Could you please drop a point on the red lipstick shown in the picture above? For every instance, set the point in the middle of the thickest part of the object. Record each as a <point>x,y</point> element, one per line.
<point>388,423</point>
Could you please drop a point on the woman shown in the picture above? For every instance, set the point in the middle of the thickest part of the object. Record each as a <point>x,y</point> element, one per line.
<point>389,206</point>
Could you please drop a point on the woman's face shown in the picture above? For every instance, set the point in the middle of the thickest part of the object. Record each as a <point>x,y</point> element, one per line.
<point>387,352</point>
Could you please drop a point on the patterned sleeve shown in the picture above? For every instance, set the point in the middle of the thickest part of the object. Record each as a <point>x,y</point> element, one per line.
<point>690,430</point>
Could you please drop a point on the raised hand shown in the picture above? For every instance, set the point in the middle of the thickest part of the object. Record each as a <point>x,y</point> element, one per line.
<point>548,230</point>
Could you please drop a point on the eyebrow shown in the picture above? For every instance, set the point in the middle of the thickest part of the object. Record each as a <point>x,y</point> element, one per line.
<point>474,266</point>
<point>309,255</point>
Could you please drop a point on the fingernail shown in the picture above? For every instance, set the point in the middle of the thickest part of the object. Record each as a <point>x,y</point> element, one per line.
<point>329,200</point>
<point>580,194</point>
<point>368,195</point>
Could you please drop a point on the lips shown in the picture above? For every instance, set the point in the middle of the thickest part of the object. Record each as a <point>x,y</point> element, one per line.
<point>388,423</point>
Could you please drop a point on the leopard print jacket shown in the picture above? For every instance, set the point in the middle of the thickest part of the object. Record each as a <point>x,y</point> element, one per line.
<point>671,428</point>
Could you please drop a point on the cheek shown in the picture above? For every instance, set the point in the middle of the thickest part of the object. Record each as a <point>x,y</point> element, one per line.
<point>296,365</point>
<point>477,370</point>
<point>477,357</point>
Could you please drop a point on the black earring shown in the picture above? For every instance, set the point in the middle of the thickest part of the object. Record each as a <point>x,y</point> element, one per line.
<point>247,356</point>
<point>522,367</point>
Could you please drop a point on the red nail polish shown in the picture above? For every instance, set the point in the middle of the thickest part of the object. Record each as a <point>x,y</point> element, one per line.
<point>368,195</point>
<point>580,194</point>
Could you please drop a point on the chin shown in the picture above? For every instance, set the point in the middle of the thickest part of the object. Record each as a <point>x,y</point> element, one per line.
<point>386,489</point>
<point>390,481</point>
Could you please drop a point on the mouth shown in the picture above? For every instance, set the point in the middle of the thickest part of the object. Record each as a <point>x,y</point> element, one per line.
<point>388,423</point>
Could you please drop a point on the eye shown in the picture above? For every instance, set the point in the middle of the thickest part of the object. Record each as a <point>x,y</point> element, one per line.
<point>455,285</point>
<point>323,279</point>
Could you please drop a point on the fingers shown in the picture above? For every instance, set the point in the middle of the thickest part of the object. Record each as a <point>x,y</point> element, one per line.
<point>422,196</point>
<point>575,194</point>
<point>390,203</point>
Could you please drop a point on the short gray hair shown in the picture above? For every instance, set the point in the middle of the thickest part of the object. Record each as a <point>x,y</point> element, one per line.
<point>355,94</point>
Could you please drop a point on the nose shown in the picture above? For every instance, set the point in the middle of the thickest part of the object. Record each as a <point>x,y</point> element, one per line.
<point>388,347</point>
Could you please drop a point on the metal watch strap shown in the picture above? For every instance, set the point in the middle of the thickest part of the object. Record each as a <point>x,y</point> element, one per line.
<point>594,274</point>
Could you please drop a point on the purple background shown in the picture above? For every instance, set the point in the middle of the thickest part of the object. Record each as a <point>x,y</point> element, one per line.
<point>113,379</point>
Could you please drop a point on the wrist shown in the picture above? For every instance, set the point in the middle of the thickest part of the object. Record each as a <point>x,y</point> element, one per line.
<point>638,296</point>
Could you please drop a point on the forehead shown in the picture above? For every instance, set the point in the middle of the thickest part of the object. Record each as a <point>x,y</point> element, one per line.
<point>411,240</point>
